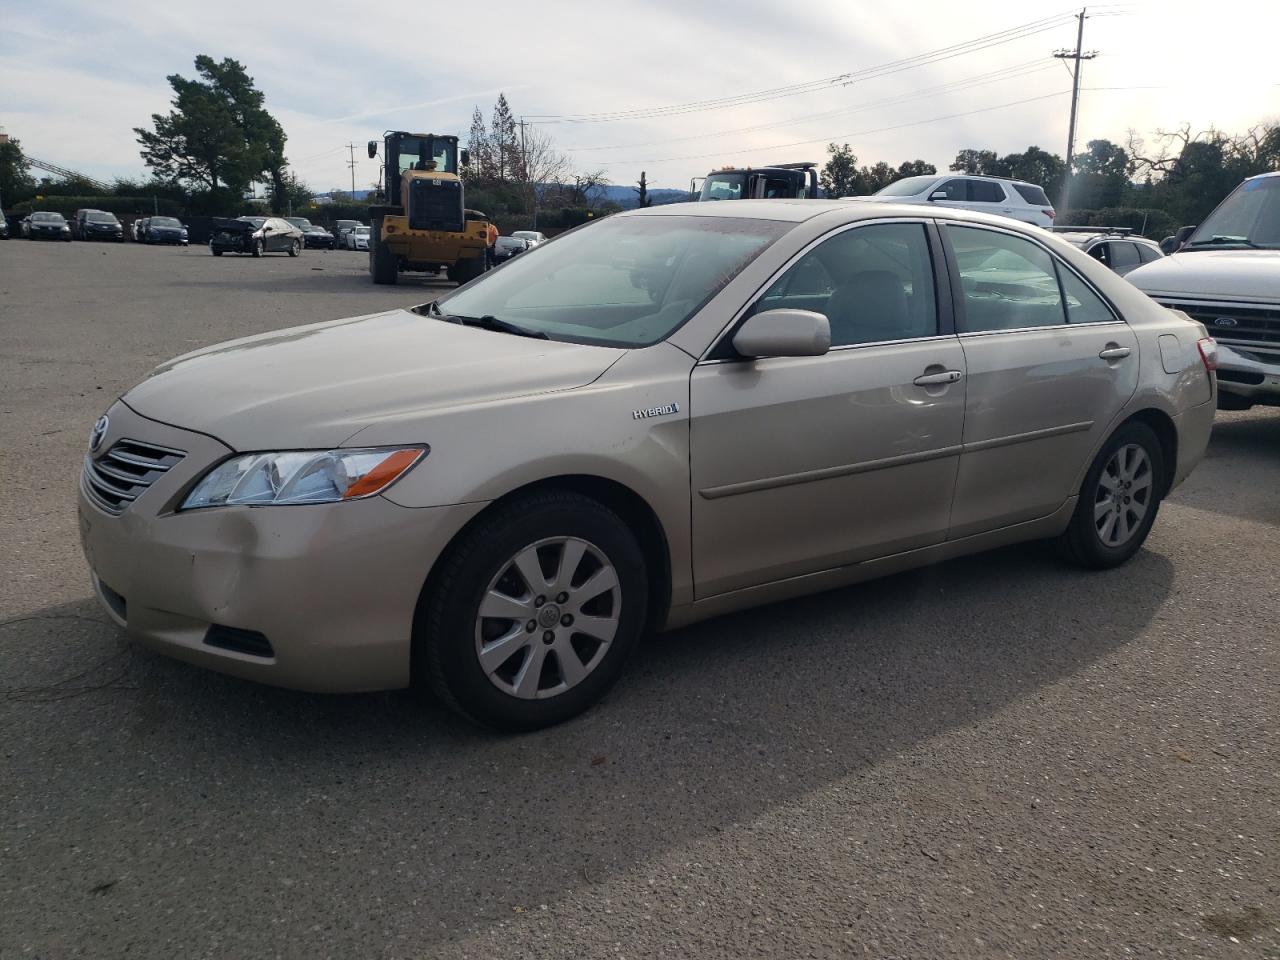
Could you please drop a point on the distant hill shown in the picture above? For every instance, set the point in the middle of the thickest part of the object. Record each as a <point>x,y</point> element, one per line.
<point>627,198</point>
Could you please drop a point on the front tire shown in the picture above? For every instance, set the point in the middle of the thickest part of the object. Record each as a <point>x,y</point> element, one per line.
<point>1119,500</point>
<point>216,253</point>
<point>531,616</point>
<point>295,248</point>
<point>257,248</point>
<point>382,262</point>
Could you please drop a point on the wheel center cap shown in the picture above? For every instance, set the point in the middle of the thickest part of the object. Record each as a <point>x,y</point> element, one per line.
<point>549,615</point>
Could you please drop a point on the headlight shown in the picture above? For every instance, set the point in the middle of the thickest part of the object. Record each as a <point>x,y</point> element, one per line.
<point>306,476</point>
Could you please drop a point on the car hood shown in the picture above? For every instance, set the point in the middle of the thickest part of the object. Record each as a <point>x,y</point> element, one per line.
<point>1213,275</point>
<point>318,385</point>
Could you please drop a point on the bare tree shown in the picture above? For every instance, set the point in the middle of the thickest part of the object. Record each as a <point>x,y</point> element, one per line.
<point>542,166</point>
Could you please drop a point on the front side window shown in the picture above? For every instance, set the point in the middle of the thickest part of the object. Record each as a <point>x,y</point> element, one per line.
<point>956,189</point>
<point>1007,282</point>
<point>1147,253</point>
<point>873,283</point>
<point>984,191</point>
<point>627,281</point>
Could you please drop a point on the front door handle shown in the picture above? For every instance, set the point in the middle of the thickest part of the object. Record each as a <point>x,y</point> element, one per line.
<point>1114,352</point>
<point>937,379</point>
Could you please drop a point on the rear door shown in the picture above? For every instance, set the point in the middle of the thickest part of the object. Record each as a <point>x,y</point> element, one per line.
<point>987,196</point>
<point>1050,365</point>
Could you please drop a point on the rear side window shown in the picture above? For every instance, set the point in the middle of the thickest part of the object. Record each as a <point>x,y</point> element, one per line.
<point>1083,305</point>
<point>1146,254</point>
<point>1123,255</point>
<point>1032,194</point>
<point>1007,283</point>
<point>984,191</point>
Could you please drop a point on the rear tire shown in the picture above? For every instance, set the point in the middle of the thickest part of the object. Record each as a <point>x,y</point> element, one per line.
<point>382,262</point>
<point>1119,500</point>
<point>216,253</point>
<point>592,569</point>
<point>464,271</point>
<point>257,248</point>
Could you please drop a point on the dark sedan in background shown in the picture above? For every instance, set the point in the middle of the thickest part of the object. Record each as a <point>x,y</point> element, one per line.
<point>255,236</point>
<point>42,225</point>
<point>317,237</point>
<point>97,225</point>
<point>165,230</point>
<point>508,247</point>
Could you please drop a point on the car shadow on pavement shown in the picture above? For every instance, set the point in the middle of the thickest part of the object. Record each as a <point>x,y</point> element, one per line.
<point>186,789</point>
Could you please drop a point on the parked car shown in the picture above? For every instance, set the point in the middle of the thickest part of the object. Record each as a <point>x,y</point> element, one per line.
<point>4,227</point>
<point>97,225</point>
<point>1024,202</point>
<point>1114,247</point>
<point>358,238</point>
<point>497,493</point>
<point>255,236</point>
<point>532,236</point>
<point>165,230</point>
<point>507,247</point>
<point>140,229</point>
<point>1226,274</point>
<point>318,237</point>
<point>43,225</point>
<point>340,228</point>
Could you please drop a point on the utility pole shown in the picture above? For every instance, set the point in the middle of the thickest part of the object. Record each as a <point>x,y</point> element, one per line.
<point>352,164</point>
<point>524,169</point>
<point>1076,55</point>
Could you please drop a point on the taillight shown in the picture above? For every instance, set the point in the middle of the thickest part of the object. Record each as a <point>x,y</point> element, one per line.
<point>1208,348</point>
<point>1049,212</point>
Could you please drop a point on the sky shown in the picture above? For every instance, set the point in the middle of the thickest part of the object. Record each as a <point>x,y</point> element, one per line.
<point>657,85</point>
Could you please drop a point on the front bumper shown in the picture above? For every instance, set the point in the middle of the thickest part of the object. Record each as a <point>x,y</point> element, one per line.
<point>1248,375</point>
<point>50,234</point>
<point>331,587</point>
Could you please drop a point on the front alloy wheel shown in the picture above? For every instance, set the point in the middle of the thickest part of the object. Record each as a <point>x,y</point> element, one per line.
<point>548,617</point>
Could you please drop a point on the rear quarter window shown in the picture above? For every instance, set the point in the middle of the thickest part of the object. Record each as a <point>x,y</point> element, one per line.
<point>1032,194</point>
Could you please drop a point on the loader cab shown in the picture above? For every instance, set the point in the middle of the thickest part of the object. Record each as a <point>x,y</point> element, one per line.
<point>786,180</point>
<point>422,153</point>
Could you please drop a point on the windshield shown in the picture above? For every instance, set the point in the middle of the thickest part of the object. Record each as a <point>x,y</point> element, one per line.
<point>302,223</point>
<point>623,282</point>
<point>100,217</point>
<point>907,188</point>
<point>525,235</point>
<point>47,217</point>
<point>1249,217</point>
<point>418,153</point>
<point>164,222</point>
<point>360,231</point>
<point>723,186</point>
<point>256,221</point>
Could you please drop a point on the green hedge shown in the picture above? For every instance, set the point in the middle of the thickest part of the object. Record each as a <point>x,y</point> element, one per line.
<point>1156,224</point>
<point>67,206</point>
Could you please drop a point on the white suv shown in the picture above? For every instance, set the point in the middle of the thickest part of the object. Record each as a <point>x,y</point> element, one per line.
<point>1025,202</point>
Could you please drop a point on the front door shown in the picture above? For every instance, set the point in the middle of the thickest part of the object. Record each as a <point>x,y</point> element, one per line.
<point>804,464</point>
<point>1049,368</point>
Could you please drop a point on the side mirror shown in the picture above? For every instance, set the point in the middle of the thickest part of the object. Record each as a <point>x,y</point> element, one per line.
<point>373,149</point>
<point>784,333</point>
<point>1168,245</point>
<point>938,195</point>
<point>267,228</point>
<point>1182,236</point>
<point>466,157</point>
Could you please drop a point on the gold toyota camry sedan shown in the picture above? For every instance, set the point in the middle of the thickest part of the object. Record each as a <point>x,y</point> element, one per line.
<point>657,418</point>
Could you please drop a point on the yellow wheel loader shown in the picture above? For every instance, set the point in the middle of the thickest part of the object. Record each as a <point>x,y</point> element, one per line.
<point>419,221</point>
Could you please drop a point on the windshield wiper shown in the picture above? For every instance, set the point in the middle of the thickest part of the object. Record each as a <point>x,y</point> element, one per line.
<point>1217,239</point>
<point>487,322</point>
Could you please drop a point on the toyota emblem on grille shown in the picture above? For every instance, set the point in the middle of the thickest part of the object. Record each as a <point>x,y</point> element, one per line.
<point>98,432</point>
<point>1225,322</point>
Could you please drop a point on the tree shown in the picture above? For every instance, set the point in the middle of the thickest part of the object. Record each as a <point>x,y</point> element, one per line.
<point>975,162</point>
<point>916,168</point>
<point>16,182</point>
<point>839,176</point>
<point>504,142</point>
<point>1101,175</point>
<point>218,134</point>
<point>479,147</point>
<point>877,177</point>
<point>1047,170</point>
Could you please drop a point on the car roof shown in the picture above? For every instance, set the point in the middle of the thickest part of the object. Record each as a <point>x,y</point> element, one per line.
<point>849,210</point>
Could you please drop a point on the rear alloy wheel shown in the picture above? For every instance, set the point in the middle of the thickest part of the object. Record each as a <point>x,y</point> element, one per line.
<point>1118,500</point>
<point>534,612</point>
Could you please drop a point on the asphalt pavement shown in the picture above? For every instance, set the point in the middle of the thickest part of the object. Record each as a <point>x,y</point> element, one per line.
<point>997,757</point>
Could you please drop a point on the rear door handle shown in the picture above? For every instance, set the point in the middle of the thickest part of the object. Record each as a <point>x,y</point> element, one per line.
<point>1114,353</point>
<point>937,379</point>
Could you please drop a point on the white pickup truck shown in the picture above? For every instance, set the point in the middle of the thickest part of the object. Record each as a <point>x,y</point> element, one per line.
<point>1226,274</point>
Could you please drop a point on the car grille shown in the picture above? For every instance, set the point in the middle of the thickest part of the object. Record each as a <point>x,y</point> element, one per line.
<point>123,473</point>
<point>1236,324</point>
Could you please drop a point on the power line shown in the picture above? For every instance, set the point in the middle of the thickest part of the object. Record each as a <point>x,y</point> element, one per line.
<point>840,136</point>
<point>868,73</point>
<point>1011,72</point>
